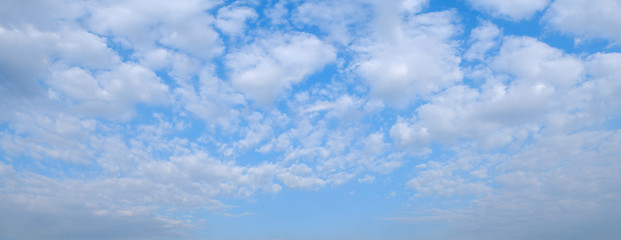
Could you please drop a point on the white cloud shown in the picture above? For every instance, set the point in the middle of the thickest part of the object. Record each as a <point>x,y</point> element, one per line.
<point>268,67</point>
<point>345,106</point>
<point>366,179</point>
<point>133,83</point>
<point>413,6</point>
<point>300,176</point>
<point>155,59</point>
<point>278,13</point>
<point>110,94</point>
<point>540,105</point>
<point>586,19</point>
<point>602,91</point>
<point>58,137</point>
<point>529,59</point>
<point>336,18</point>
<point>194,38</point>
<point>77,84</point>
<point>232,20</point>
<point>328,134</point>
<point>86,49</point>
<point>213,100</point>
<point>116,158</point>
<point>531,132</point>
<point>507,108</point>
<point>482,39</point>
<point>407,136</point>
<point>141,174</point>
<point>66,62</point>
<point>568,189</point>
<point>511,9</point>
<point>258,130</point>
<point>406,60</point>
<point>444,182</point>
<point>183,26</point>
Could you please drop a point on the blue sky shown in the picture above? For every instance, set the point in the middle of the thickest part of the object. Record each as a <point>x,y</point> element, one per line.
<point>292,119</point>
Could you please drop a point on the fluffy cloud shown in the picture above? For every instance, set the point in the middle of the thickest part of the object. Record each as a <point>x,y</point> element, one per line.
<point>231,20</point>
<point>213,101</point>
<point>299,177</point>
<point>150,171</point>
<point>181,26</point>
<point>501,111</point>
<point>536,102</point>
<point>335,18</point>
<point>603,67</point>
<point>65,61</point>
<point>30,50</point>
<point>57,137</point>
<point>482,39</point>
<point>268,67</point>
<point>586,19</point>
<point>511,9</point>
<point>531,60</point>
<point>410,59</point>
<point>111,94</point>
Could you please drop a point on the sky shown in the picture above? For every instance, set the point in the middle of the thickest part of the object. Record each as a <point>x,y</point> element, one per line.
<point>305,120</point>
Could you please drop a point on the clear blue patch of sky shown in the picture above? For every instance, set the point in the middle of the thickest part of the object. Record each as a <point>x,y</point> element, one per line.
<point>353,210</point>
<point>613,122</point>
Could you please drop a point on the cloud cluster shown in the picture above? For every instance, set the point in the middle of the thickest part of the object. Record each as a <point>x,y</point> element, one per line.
<point>140,117</point>
<point>529,141</point>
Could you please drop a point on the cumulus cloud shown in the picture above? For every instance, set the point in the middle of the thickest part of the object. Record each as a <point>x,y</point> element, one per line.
<point>585,19</point>
<point>300,176</point>
<point>482,39</point>
<point>268,67</point>
<point>232,20</point>
<point>214,100</point>
<point>337,19</point>
<point>512,9</point>
<point>111,94</point>
<point>180,26</point>
<point>410,59</point>
<point>501,111</point>
<point>532,60</point>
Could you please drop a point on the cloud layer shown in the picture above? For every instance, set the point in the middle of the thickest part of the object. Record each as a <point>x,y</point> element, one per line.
<point>183,120</point>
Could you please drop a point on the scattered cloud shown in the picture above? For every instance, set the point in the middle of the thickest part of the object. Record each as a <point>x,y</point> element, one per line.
<point>183,120</point>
